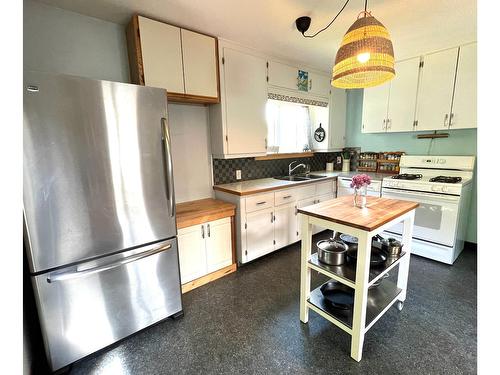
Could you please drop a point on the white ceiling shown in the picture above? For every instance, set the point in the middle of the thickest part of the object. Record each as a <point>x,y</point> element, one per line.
<point>416,26</point>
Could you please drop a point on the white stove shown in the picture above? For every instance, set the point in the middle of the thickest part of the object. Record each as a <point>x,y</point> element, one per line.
<point>442,186</point>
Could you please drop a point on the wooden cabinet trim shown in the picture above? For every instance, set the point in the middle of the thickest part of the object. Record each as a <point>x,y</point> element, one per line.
<point>135,51</point>
<point>208,278</point>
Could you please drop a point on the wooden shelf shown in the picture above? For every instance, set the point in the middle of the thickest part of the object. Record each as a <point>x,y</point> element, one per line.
<point>346,273</point>
<point>388,161</point>
<point>379,299</point>
<point>365,169</point>
<point>297,155</point>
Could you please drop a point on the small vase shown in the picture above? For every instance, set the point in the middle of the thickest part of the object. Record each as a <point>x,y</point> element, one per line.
<point>360,197</point>
<point>346,165</point>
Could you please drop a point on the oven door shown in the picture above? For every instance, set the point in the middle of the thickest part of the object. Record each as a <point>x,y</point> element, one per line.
<point>435,218</point>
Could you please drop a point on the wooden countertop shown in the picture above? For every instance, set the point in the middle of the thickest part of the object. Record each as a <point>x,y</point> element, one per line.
<point>201,211</point>
<point>377,212</point>
<point>267,184</point>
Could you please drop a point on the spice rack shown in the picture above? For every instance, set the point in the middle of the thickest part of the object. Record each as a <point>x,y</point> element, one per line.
<point>388,162</point>
<point>367,161</point>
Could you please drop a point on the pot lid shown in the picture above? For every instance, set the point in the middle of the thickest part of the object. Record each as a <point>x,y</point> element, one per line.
<point>332,245</point>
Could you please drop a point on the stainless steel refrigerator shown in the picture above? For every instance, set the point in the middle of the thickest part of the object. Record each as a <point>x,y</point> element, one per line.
<point>99,211</point>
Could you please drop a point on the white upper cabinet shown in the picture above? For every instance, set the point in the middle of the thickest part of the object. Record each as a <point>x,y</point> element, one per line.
<point>199,78</point>
<point>180,61</point>
<point>464,111</point>
<point>437,78</point>
<point>375,101</point>
<point>246,97</point>
<point>161,55</point>
<point>319,84</point>
<point>403,96</point>
<point>338,103</point>
<point>238,124</point>
<point>282,75</point>
<point>285,76</point>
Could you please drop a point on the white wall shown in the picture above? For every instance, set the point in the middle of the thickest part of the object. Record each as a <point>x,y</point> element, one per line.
<point>56,40</point>
<point>190,151</point>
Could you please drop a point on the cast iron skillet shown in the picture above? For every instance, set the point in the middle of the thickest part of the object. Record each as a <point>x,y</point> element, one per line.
<point>337,295</point>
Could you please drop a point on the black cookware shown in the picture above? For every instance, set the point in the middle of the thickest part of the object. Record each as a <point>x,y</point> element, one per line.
<point>337,295</point>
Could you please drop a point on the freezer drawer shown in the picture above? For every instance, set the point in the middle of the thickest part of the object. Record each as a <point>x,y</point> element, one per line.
<point>89,306</point>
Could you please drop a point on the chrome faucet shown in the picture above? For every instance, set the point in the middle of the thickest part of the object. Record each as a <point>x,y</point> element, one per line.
<point>290,169</point>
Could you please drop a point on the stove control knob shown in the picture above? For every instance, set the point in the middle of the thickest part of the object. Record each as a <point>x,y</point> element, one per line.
<point>444,189</point>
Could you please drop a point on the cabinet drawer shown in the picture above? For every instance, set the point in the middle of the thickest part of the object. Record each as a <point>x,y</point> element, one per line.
<point>324,188</point>
<point>285,196</point>
<point>306,192</point>
<point>259,202</point>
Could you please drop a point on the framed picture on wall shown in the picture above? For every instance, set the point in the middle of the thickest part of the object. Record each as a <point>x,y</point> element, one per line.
<point>302,80</point>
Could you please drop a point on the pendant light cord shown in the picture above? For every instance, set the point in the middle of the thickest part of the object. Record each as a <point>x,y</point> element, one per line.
<point>327,26</point>
<point>366,3</point>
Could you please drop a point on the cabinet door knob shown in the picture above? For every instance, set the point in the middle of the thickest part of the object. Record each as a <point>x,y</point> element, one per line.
<point>202,231</point>
<point>451,118</point>
<point>272,217</point>
<point>208,229</point>
<point>384,126</point>
<point>446,120</point>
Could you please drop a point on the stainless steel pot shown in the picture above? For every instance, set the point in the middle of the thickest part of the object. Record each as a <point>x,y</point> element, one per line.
<point>331,252</point>
<point>392,247</point>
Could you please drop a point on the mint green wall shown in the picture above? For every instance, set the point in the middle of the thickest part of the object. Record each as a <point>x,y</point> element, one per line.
<point>460,142</point>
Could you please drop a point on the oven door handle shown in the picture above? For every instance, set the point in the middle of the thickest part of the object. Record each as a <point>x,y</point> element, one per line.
<point>441,197</point>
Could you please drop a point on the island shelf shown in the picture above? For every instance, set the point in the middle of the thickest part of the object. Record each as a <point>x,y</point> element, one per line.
<point>370,303</point>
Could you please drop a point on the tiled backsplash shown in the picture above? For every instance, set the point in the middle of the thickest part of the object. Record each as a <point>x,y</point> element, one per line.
<point>225,169</point>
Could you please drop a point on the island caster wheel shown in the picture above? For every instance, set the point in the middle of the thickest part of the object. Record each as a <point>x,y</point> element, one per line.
<point>399,305</point>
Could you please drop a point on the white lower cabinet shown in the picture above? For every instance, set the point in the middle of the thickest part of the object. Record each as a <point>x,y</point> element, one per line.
<point>269,221</point>
<point>321,198</point>
<point>204,248</point>
<point>285,226</point>
<point>300,204</point>
<point>192,252</point>
<point>218,244</point>
<point>259,233</point>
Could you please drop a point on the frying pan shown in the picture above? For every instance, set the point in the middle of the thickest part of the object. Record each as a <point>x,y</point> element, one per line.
<point>337,295</point>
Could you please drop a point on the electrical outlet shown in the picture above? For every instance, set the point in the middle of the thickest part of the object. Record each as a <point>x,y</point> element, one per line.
<point>238,174</point>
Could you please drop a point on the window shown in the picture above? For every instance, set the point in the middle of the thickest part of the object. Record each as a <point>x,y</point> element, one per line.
<point>290,126</point>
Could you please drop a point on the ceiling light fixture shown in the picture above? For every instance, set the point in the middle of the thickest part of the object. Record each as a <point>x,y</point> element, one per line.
<point>365,57</point>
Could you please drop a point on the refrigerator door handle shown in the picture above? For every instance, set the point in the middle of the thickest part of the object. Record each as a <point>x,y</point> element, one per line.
<point>169,169</point>
<point>55,276</point>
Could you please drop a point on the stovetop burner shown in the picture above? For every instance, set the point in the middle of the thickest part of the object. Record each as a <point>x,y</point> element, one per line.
<point>407,176</point>
<point>446,179</point>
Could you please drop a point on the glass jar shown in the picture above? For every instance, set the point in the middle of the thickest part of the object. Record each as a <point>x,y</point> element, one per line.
<point>360,197</point>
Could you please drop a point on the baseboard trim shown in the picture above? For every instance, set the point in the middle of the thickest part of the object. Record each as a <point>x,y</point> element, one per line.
<point>470,246</point>
<point>208,278</point>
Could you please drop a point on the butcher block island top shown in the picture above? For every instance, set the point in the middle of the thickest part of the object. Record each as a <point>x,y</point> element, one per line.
<point>201,211</point>
<point>377,212</point>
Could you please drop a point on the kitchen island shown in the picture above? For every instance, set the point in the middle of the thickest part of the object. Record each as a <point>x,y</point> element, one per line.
<point>364,223</point>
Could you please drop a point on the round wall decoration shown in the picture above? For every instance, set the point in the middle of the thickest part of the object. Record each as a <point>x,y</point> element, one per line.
<point>319,134</point>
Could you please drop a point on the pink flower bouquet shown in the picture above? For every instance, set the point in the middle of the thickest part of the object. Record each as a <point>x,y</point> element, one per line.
<point>360,180</point>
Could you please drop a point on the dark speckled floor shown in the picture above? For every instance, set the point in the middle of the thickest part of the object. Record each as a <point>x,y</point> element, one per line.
<point>248,322</point>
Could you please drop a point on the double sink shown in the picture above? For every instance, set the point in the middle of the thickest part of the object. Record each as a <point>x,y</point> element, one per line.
<point>299,177</point>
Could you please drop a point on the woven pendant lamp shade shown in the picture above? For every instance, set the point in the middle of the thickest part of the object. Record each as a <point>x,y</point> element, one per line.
<point>365,57</point>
